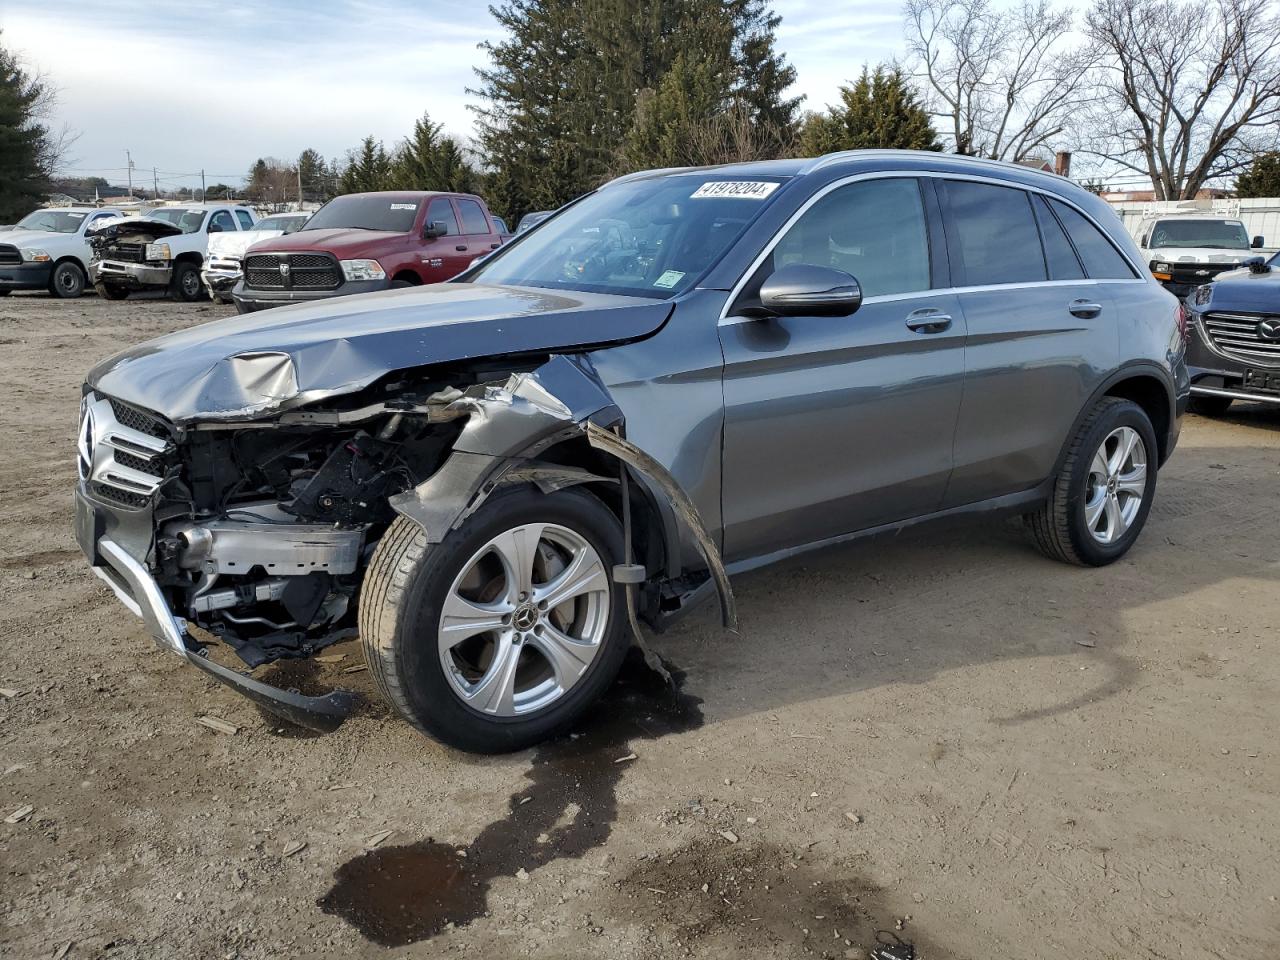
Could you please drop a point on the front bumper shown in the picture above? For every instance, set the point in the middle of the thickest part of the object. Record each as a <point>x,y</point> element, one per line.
<point>220,281</point>
<point>133,276</point>
<point>249,299</point>
<point>26,276</point>
<point>1213,374</point>
<point>132,583</point>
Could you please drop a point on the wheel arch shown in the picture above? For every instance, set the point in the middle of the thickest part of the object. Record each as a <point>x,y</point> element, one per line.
<point>406,275</point>
<point>1144,383</point>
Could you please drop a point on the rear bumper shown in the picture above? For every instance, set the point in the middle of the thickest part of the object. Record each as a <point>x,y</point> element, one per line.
<point>26,276</point>
<point>133,276</point>
<point>132,583</point>
<point>249,299</point>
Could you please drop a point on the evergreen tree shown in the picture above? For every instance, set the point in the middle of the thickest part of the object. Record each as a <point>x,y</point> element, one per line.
<point>1262,179</point>
<point>313,175</point>
<point>25,143</point>
<point>428,160</point>
<point>368,168</point>
<point>561,96</point>
<point>880,110</point>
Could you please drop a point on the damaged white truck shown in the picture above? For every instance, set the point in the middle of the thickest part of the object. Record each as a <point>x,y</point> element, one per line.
<point>684,374</point>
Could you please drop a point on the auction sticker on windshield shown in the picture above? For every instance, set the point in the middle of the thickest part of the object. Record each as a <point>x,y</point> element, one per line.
<point>404,206</point>
<point>736,189</point>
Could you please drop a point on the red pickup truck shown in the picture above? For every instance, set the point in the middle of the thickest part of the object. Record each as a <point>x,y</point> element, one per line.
<point>368,241</point>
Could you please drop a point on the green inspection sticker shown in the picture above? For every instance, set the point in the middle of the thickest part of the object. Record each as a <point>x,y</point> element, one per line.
<point>669,279</point>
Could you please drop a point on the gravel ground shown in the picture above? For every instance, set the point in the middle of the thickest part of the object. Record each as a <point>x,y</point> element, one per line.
<point>941,733</point>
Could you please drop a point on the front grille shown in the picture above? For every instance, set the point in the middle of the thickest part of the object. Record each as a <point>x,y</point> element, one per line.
<point>1238,335</point>
<point>306,271</point>
<point>1198,273</point>
<point>128,252</point>
<point>9,255</point>
<point>136,419</point>
<point>154,467</point>
<point>125,498</point>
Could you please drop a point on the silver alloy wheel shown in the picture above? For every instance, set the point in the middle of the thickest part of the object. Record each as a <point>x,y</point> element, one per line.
<point>1116,485</point>
<point>524,619</point>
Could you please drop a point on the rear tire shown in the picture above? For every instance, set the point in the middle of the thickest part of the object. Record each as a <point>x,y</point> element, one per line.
<point>1102,494</point>
<point>108,292</point>
<point>67,280</point>
<point>186,285</point>
<point>521,679</point>
<point>1210,406</point>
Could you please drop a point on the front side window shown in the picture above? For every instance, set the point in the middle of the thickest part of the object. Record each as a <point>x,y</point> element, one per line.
<point>646,238</point>
<point>993,234</point>
<point>246,221</point>
<point>1101,259</point>
<point>53,221</point>
<point>473,220</point>
<point>440,210</point>
<point>222,222</point>
<point>873,230</point>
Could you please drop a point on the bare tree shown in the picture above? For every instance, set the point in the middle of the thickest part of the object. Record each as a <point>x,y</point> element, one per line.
<point>1189,90</point>
<point>1003,82</point>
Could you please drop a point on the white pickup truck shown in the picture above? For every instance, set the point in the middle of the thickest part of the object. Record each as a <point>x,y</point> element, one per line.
<point>1185,250</point>
<point>222,265</point>
<point>163,249</point>
<point>48,250</point>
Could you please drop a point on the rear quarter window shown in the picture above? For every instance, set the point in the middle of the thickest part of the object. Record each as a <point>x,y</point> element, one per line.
<point>1102,261</point>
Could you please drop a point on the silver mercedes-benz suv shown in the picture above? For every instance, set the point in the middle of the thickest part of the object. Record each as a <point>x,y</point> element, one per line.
<point>682,375</point>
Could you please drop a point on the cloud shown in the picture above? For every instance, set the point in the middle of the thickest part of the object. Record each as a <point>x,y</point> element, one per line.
<point>214,85</point>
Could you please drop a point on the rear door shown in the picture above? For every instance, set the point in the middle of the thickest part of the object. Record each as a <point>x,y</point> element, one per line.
<point>478,235</point>
<point>444,256</point>
<point>1041,335</point>
<point>834,425</point>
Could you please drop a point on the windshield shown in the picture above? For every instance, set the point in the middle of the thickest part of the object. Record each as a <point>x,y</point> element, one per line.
<point>54,221</point>
<point>1216,234</point>
<point>366,211</point>
<point>283,224</point>
<point>188,221</point>
<point>647,238</point>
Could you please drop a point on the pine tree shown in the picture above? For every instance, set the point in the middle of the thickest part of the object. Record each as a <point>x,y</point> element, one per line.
<point>1262,179</point>
<point>562,97</point>
<point>428,160</point>
<point>880,110</point>
<point>368,168</point>
<point>25,143</point>
<point>313,175</point>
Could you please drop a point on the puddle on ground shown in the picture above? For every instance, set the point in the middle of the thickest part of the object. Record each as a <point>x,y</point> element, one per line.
<point>399,895</point>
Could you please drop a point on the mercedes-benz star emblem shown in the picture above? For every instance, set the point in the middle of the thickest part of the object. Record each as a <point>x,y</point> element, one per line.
<point>1270,329</point>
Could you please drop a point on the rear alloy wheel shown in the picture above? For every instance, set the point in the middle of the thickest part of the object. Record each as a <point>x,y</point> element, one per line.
<point>186,282</point>
<point>1210,406</point>
<point>1102,495</point>
<point>503,634</point>
<point>67,280</point>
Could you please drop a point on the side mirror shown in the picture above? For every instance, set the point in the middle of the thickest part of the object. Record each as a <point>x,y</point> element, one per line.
<point>808,291</point>
<point>215,228</point>
<point>435,229</point>
<point>1257,243</point>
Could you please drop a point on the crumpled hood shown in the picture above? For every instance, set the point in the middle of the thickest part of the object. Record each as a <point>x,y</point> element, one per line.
<point>1199,255</point>
<point>342,243</point>
<point>234,244</point>
<point>260,363</point>
<point>134,227</point>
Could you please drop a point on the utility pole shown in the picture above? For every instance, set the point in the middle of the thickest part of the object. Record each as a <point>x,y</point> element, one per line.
<point>299,168</point>
<point>129,157</point>
<point>203,196</point>
<point>155,184</point>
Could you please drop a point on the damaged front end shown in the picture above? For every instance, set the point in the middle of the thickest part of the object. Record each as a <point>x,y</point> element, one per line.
<point>258,532</point>
<point>131,254</point>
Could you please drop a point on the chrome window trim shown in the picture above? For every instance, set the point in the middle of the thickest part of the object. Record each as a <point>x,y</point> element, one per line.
<point>928,291</point>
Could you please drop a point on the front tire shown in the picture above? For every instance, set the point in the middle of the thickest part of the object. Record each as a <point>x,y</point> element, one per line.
<point>1103,493</point>
<point>1210,406</point>
<point>186,285</point>
<point>505,633</point>
<point>107,292</point>
<point>67,280</point>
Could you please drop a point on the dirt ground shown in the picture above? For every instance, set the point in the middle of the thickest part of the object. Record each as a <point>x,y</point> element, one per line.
<point>943,733</point>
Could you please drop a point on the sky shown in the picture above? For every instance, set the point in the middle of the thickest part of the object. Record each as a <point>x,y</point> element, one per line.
<point>213,85</point>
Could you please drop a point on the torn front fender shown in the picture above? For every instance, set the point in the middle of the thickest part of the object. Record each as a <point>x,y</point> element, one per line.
<point>509,425</point>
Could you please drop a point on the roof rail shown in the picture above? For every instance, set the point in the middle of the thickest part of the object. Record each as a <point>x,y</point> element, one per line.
<point>832,158</point>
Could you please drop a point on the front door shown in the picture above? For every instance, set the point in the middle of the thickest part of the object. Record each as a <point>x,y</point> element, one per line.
<point>834,425</point>
<point>444,256</point>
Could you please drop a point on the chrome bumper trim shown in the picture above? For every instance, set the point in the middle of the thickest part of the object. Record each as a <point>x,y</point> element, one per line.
<point>1234,394</point>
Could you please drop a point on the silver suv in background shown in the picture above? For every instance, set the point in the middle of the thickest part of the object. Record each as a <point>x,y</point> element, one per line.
<point>683,375</point>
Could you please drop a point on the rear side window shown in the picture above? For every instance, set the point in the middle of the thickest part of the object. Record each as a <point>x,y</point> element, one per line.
<point>1058,255</point>
<point>873,230</point>
<point>440,210</point>
<point>1101,259</point>
<point>995,233</point>
<point>473,219</point>
<point>246,221</point>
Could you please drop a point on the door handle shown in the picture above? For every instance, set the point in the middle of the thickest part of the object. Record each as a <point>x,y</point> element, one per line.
<point>461,248</point>
<point>928,320</point>
<point>494,246</point>
<point>1085,309</point>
